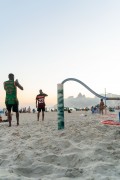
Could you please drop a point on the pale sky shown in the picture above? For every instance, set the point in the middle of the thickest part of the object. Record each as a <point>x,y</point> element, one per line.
<point>43,42</point>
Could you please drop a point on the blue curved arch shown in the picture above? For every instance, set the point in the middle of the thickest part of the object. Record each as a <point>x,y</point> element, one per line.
<point>93,92</point>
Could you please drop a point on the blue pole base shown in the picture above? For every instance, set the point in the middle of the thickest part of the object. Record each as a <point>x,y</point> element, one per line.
<point>61,125</point>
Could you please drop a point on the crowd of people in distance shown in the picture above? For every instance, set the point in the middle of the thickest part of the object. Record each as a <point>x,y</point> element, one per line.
<point>27,110</point>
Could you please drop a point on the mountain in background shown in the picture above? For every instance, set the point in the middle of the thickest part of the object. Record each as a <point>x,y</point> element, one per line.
<point>81,101</point>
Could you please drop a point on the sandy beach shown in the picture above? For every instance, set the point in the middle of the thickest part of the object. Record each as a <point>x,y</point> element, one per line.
<point>85,150</point>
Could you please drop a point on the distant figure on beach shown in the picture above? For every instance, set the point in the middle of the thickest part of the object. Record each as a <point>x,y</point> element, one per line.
<point>33,110</point>
<point>92,109</point>
<point>0,118</point>
<point>11,100</point>
<point>101,106</point>
<point>29,110</point>
<point>69,111</point>
<point>40,104</point>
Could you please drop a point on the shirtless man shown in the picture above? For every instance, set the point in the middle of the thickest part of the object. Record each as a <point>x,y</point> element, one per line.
<point>101,106</point>
<point>11,100</point>
<point>40,104</point>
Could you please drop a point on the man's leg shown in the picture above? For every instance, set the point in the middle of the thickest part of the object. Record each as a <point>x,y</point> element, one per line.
<point>102,111</point>
<point>15,109</point>
<point>38,115</point>
<point>9,118</point>
<point>42,115</point>
<point>17,118</point>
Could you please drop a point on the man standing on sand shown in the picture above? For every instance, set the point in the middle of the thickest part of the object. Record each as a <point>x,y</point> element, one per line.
<point>101,106</point>
<point>40,104</point>
<point>11,100</point>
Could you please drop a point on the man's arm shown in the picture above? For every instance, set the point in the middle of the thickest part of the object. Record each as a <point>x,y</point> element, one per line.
<point>44,94</point>
<point>36,102</point>
<point>18,85</point>
<point>4,86</point>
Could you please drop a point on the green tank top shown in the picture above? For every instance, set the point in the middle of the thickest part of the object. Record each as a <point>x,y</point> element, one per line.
<point>11,92</point>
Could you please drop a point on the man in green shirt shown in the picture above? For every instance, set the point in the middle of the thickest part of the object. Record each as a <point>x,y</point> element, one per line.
<point>11,100</point>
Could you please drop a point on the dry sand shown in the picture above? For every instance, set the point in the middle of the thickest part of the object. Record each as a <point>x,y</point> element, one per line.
<point>85,150</point>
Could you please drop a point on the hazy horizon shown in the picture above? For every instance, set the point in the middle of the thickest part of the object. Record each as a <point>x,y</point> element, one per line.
<point>44,42</point>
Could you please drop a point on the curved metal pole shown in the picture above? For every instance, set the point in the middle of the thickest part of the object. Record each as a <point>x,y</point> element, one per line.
<point>60,92</point>
<point>93,92</point>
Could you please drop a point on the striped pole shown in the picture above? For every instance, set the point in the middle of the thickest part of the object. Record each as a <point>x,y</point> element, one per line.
<point>60,104</point>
